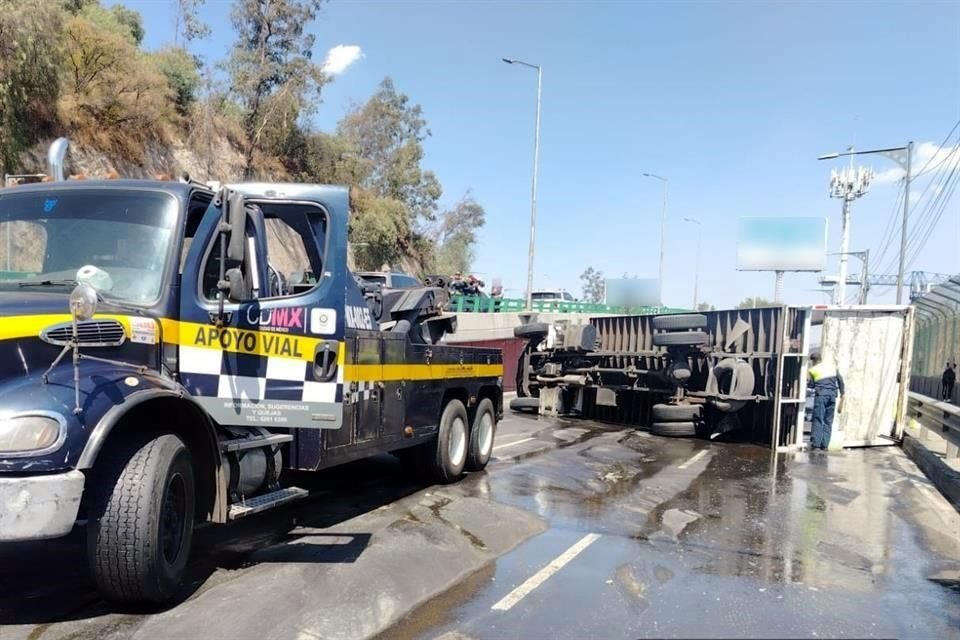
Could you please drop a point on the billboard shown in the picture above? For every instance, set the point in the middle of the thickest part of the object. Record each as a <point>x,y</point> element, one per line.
<point>632,292</point>
<point>782,244</point>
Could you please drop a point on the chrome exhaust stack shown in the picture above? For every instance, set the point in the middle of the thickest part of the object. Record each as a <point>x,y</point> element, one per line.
<point>55,158</point>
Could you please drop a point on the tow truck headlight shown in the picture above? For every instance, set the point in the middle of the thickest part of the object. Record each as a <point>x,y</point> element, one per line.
<point>29,434</point>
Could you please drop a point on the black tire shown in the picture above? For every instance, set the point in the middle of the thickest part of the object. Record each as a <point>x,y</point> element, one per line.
<point>680,322</point>
<point>735,377</point>
<point>531,331</point>
<point>674,429</point>
<point>448,457</point>
<point>676,412</point>
<point>482,433</point>
<point>525,404</point>
<point>140,523</point>
<point>680,339</point>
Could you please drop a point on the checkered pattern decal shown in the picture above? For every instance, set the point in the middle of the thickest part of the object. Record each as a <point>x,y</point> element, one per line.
<point>255,377</point>
<point>361,391</point>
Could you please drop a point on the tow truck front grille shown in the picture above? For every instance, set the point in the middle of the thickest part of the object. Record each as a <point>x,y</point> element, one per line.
<point>91,333</point>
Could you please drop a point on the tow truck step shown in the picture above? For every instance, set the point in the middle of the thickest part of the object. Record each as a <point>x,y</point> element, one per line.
<point>239,444</point>
<point>266,501</point>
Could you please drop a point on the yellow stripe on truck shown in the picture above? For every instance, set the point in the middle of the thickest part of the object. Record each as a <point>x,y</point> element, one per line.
<point>262,343</point>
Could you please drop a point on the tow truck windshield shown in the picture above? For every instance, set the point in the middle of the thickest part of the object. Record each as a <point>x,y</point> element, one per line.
<point>119,241</point>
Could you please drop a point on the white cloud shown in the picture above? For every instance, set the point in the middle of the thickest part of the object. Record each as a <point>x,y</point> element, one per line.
<point>340,57</point>
<point>923,153</point>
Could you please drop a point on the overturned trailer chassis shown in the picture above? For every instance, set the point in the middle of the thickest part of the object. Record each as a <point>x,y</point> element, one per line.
<point>742,368</point>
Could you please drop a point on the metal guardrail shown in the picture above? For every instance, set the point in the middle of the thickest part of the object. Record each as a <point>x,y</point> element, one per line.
<point>484,304</point>
<point>942,418</point>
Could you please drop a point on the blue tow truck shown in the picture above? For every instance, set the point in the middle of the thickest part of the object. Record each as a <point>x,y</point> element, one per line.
<point>159,368</point>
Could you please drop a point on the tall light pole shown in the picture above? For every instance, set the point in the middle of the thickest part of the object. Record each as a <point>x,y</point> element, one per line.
<point>663,229</point>
<point>536,168</point>
<point>903,156</point>
<point>696,272</point>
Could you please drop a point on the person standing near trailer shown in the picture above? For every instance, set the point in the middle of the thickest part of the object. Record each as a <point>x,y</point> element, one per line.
<point>828,396</point>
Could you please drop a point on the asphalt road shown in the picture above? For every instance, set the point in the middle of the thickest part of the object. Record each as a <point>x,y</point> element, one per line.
<point>576,530</point>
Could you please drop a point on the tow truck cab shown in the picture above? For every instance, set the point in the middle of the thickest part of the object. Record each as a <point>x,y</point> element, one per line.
<point>166,352</point>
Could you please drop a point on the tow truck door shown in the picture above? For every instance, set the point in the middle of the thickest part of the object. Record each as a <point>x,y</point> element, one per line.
<point>276,358</point>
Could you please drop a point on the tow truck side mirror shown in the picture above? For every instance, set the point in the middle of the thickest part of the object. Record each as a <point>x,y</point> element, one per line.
<point>237,221</point>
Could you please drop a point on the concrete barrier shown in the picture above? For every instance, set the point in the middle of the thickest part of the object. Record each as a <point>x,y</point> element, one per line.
<point>943,476</point>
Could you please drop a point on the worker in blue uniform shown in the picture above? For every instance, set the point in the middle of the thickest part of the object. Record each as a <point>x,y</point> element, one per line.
<point>828,396</point>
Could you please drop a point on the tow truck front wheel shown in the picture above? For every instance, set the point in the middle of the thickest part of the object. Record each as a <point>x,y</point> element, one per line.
<point>141,520</point>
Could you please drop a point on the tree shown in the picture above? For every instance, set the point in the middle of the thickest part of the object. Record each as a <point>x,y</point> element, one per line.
<point>456,235</point>
<point>187,24</point>
<point>271,68</point>
<point>182,72</point>
<point>30,35</point>
<point>387,133</point>
<point>753,303</point>
<point>706,306</point>
<point>112,95</point>
<point>593,286</point>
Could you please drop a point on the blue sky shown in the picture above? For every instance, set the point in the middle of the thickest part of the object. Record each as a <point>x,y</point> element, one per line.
<point>732,102</point>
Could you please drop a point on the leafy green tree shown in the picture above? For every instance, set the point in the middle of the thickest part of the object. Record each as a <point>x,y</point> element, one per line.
<point>593,285</point>
<point>30,35</point>
<point>706,306</point>
<point>187,23</point>
<point>388,133</point>
<point>271,69</point>
<point>182,72</point>
<point>753,303</point>
<point>456,235</point>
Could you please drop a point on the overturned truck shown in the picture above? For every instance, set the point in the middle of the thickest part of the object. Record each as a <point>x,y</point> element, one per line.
<point>737,373</point>
<point>690,374</point>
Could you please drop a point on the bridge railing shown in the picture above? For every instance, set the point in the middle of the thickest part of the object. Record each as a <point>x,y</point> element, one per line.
<point>935,416</point>
<point>484,304</point>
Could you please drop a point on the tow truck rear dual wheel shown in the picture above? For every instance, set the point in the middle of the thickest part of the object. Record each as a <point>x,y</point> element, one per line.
<point>482,432</point>
<point>448,457</point>
<point>140,524</point>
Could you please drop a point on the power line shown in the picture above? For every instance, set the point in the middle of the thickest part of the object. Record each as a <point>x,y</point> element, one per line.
<point>939,149</point>
<point>938,206</point>
<point>889,234</point>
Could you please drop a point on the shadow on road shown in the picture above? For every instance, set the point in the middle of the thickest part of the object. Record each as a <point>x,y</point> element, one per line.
<point>46,582</point>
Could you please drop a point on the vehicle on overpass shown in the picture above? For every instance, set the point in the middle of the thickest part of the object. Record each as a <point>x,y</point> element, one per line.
<point>155,373</point>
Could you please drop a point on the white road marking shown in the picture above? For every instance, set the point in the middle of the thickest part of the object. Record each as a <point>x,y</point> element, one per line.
<point>510,444</point>
<point>696,457</point>
<point>544,574</point>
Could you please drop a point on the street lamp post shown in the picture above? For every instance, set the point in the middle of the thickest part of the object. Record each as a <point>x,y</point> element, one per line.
<point>536,167</point>
<point>663,229</point>
<point>696,272</point>
<point>903,156</point>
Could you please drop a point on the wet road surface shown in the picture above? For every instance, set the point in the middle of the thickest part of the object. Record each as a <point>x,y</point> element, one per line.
<point>576,530</point>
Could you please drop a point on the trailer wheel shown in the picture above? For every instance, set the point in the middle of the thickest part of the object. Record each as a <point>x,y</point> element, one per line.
<point>525,404</point>
<point>680,321</point>
<point>680,339</point>
<point>140,524</point>
<point>532,331</point>
<point>674,429</point>
<point>482,433</point>
<point>449,456</point>
<point>675,412</point>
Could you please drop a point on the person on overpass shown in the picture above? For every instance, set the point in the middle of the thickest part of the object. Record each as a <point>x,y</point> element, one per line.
<point>948,379</point>
<point>828,396</point>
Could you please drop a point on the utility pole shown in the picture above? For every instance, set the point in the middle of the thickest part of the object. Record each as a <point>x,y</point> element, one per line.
<point>536,169</point>
<point>663,229</point>
<point>696,272</point>
<point>847,185</point>
<point>903,156</point>
<point>903,230</point>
